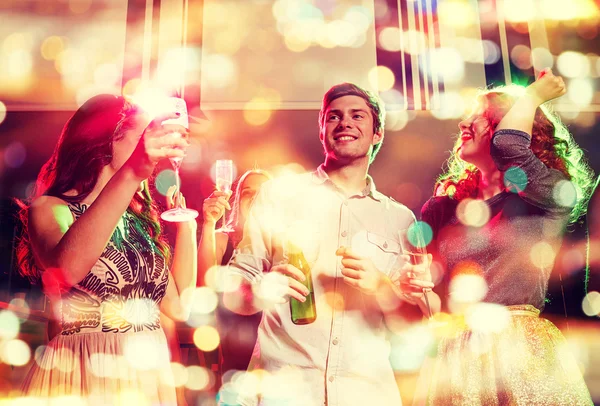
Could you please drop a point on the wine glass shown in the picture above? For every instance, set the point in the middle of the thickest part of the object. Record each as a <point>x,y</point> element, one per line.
<point>178,213</point>
<point>413,244</point>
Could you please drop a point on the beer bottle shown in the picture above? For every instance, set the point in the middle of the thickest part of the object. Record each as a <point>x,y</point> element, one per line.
<point>302,312</point>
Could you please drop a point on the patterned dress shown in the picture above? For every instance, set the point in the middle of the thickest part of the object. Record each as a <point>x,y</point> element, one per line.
<point>111,346</point>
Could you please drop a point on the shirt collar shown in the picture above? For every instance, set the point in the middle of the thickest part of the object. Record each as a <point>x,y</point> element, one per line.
<point>319,177</point>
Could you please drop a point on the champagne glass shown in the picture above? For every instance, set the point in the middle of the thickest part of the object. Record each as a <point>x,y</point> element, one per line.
<point>178,213</point>
<point>413,244</point>
<point>224,175</point>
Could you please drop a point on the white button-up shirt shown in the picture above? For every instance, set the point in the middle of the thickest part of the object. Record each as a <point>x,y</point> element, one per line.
<point>342,358</point>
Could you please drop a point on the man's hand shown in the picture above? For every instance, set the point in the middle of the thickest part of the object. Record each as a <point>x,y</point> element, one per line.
<point>281,283</point>
<point>360,272</point>
<point>415,279</point>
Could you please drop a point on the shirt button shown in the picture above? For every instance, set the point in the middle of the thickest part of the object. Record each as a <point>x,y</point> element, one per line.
<point>335,341</point>
<point>344,233</point>
<point>331,378</point>
<point>385,245</point>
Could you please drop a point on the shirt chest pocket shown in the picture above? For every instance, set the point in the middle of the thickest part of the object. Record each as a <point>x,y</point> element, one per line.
<point>384,251</point>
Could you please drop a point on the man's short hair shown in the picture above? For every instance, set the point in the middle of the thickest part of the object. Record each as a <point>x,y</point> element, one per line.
<point>372,100</point>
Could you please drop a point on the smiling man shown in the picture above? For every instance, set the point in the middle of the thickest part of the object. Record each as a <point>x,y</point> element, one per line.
<point>349,234</point>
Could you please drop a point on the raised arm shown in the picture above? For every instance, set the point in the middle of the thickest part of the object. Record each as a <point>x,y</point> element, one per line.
<point>69,250</point>
<point>212,244</point>
<point>184,265</point>
<point>520,117</point>
<point>511,143</point>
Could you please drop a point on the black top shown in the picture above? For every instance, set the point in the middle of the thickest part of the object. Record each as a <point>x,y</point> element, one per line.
<point>513,251</point>
<point>228,251</point>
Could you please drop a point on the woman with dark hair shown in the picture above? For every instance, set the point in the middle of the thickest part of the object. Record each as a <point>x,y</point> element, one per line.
<point>92,237</point>
<point>238,332</point>
<point>515,180</point>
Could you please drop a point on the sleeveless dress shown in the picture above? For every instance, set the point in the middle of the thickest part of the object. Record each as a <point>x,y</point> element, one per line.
<point>111,346</point>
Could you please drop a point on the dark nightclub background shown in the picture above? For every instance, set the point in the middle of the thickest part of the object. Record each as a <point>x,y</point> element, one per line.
<point>253,72</point>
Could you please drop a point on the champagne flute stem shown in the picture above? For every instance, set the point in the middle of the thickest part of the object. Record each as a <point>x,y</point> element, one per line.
<point>430,314</point>
<point>177,182</point>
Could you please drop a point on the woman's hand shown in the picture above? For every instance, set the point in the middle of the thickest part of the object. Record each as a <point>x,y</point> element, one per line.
<point>157,142</point>
<point>176,199</point>
<point>214,207</point>
<point>546,87</point>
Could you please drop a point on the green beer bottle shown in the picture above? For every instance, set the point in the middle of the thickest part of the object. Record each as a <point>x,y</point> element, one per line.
<point>302,312</point>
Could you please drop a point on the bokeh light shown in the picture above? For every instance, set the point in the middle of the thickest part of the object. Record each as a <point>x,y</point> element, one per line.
<point>218,71</point>
<point>64,359</point>
<point>573,64</point>
<point>394,101</point>
<point>452,106</point>
<point>491,52</point>
<point>257,111</point>
<point>580,91</point>
<point>52,47</point>
<point>15,154</point>
<point>15,352</point>
<point>79,6</point>
<point>204,300</point>
<point>410,347</point>
<point>541,58</point>
<point>487,318</point>
<point>467,288</point>
<point>542,255</point>
<point>389,39</point>
<point>143,353</point>
<point>2,112</point>
<point>164,180</point>
<point>473,212</point>
<point>199,378</point>
<point>138,311</point>
<point>521,56</point>
<point>515,179</point>
<point>382,78</point>
<point>228,394</point>
<point>180,374</point>
<point>128,397</point>
<point>519,10</point>
<point>591,304</point>
<point>206,338</point>
<point>449,63</point>
<point>22,305</point>
<point>458,14</point>
<point>565,193</point>
<point>9,325</point>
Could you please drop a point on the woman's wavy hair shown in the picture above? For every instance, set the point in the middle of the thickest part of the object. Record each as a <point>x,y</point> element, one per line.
<point>551,142</point>
<point>233,221</point>
<point>84,148</point>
